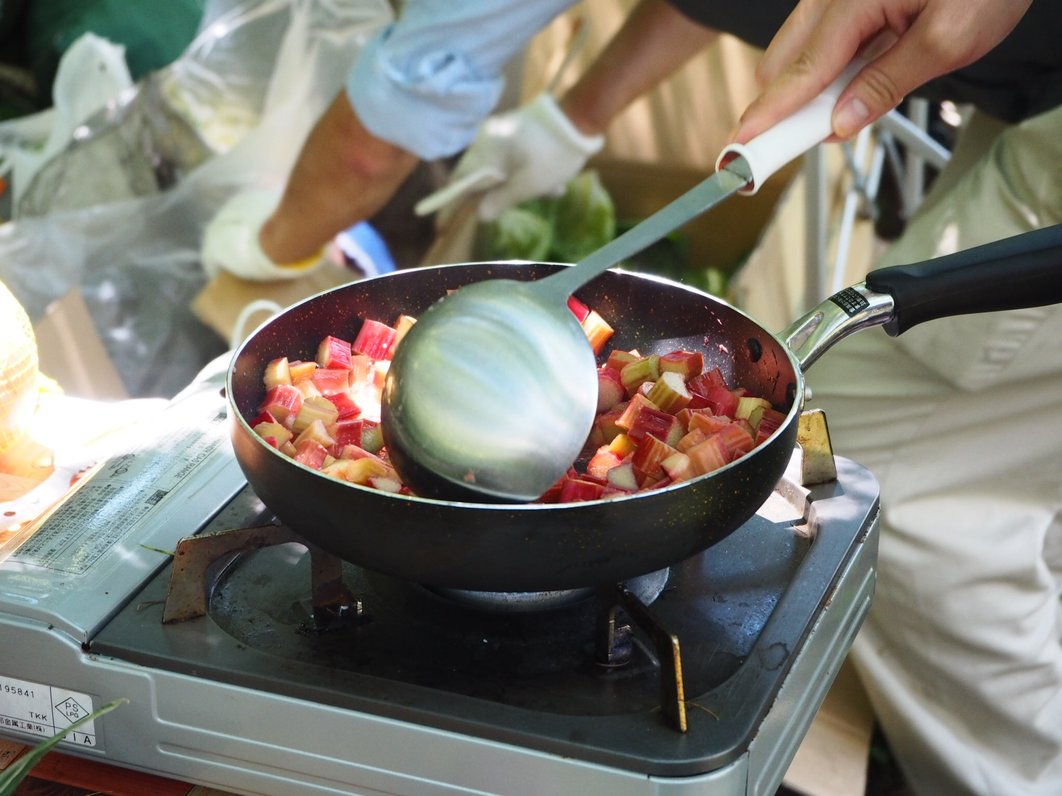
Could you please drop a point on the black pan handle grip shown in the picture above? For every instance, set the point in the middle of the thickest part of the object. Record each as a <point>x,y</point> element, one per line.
<point>1014,273</point>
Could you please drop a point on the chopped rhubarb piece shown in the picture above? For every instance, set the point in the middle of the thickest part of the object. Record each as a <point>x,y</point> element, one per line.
<point>693,437</point>
<point>622,445</point>
<point>301,371</point>
<point>385,484</point>
<point>340,451</point>
<point>334,352</point>
<point>610,390</point>
<point>709,455</point>
<point>357,452</point>
<point>605,426</point>
<point>311,453</point>
<point>379,372</point>
<point>317,432</point>
<point>274,433</point>
<point>345,405</point>
<point>402,325</point>
<point>686,363</point>
<point>766,415</point>
<point>361,370</point>
<point>697,401</point>
<point>575,490</point>
<point>552,495</point>
<point>598,331</point>
<point>330,381</point>
<point>601,462</point>
<point>367,396</point>
<point>669,392</point>
<point>277,372</point>
<point>738,439</point>
<point>630,412</point>
<point>307,389</point>
<point>283,402</point>
<point>316,407</point>
<point>617,359</point>
<point>678,467</point>
<point>374,340</point>
<point>623,477</point>
<point>770,421</point>
<point>708,423</point>
<point>647,459</point>
<point>347,431</point>
<point>651,421</point>
<point>371,436</point>
<point>358,471</point>
<point>684,416</point>
<point>263,417</point>
<point>722,401</point>
<point>707,379</point>
<point>578,308</point>
<point>643,369</point>
<point>748,404</point>
<point>288,449</point>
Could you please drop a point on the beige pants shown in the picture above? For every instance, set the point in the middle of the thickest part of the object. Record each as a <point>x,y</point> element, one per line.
<point>961,421</point>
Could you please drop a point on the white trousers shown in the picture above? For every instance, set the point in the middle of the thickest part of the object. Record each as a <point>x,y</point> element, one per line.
<point>961,422</point>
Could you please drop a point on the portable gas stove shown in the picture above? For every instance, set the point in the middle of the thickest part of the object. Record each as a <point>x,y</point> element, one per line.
<point>268,667</point>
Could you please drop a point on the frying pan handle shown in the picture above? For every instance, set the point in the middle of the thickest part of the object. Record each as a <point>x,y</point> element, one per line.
<point>1014,273</point>
<point>791,137</point>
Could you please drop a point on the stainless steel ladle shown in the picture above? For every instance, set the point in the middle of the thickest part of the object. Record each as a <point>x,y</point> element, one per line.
<point>493,391</point>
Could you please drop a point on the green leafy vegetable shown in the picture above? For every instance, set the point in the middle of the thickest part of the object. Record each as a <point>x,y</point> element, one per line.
<point>563,229</point>
<point>584,219</point>
<point>519,234</point>
<point>568,228</point>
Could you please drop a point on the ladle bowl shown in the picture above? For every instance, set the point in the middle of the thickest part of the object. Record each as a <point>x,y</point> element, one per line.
<point>498,391</point>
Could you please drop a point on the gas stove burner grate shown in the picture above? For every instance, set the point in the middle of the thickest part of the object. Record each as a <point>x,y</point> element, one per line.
<point>647,588</point>
<point>198,561</point>
<point>202,564</point>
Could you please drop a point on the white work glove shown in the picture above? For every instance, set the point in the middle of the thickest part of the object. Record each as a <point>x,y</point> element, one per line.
<point>231,241</point>
<point>523,154</point>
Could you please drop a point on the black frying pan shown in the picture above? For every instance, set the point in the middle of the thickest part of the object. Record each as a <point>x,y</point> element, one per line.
<point>493,547</point>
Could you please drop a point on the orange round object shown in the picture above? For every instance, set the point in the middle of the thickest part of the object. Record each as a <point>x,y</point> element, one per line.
<point>18,370</point>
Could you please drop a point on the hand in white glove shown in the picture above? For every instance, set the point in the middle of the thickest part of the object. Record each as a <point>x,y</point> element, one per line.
<point>231,241</point>
<point>523,154</point>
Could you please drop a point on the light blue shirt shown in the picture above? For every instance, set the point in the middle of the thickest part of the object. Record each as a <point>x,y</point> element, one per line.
<point>426,82</point>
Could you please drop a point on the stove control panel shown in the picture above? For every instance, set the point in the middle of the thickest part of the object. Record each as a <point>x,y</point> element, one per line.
<point>77,564</point>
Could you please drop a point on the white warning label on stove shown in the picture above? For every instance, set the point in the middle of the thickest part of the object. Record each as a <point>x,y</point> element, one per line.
<point>45,710</point>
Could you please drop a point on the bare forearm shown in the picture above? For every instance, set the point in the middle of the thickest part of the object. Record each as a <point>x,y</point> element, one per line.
<point>653,43</point>
<point>343,175</point>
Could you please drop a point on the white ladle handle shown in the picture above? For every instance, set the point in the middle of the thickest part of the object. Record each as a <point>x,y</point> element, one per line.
<point>791,137</point>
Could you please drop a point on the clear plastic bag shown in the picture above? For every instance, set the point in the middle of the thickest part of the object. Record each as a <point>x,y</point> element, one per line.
<point>119,213</point>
